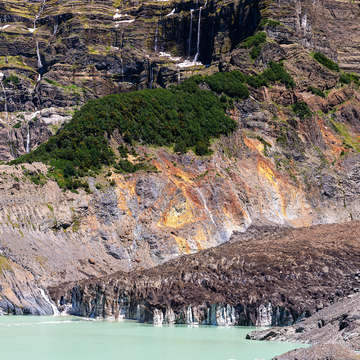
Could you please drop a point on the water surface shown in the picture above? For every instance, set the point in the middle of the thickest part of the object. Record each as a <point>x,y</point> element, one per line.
<point>71,338</point>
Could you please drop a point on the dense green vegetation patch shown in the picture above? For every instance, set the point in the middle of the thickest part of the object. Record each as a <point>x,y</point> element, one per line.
<point>316,91</point>
<point>163,117</point>
<point>348,78</point>
<point>324,60</point>
<point>254,43</point>
<point>184,116</point>
<point>12,79</point>
<point>234,83</point>
<point>301,109</point>
<point>229,83</point>
<point>274,73</point>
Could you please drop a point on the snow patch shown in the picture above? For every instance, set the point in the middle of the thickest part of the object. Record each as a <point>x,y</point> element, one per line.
<point>164,54</point>
<point>124,22</point>
<point>188,63</point>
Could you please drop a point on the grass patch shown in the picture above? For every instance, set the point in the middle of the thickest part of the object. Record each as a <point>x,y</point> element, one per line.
<point>349,141</point>
<point>4,264</point>
<point>73,89</point>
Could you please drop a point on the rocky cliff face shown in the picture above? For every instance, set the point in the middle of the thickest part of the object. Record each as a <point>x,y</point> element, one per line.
<point>269,278</point>
<point>58,54</point>
<point>276,169</point>
<point>338,323</point>
<point>86,49</point>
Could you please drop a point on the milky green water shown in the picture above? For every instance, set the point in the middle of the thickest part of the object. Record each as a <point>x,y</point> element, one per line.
<point>69,338</point>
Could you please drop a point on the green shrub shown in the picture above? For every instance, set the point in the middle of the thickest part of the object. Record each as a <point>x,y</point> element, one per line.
<point>37,178</point>
<point>255,52</point>
<point>201,148</point>
<point>346,78</point>
<point>268,22</point>
<point>123,151</point>
<point>254,43</point>
<point>274,73</point>
<point>180,147</point>
<point>316,91</point>
<point>301,109</point>
<point>12,79</point>
<point>254,40</point>
<point>324,60</point>
<point>229,83</point>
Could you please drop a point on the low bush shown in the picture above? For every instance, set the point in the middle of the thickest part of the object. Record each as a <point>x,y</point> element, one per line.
<point>229,83</point>
<point>301,109</point>
<point>254,43</point>
<point>316,91</point>
<point>324,60</point>
<point>347,78</point>
<point>274,73</point>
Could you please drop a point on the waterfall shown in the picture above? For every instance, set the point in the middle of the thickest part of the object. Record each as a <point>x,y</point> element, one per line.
<point>206,207</point>
<point>6,122</point>
<point>190,31</point>
<point>46,298</point>
<point>41,9</point>
<point>55,28</point>
<point>151,74</point>
<point>40,65</point>
<point>28,139</point>
<point>122,68</point>
<point>156,37</point>
<point>5,97</point>
<point>198,37</point>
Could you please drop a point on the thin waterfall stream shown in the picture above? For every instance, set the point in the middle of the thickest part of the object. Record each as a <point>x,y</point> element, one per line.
<point>156,37</point>
<point>40,65</point>
<point>198,36</point>
<point>190,31</point>
<point>151,74</point>
<point>5,96</point>
<point>206,207</point>
<point>28,139</point>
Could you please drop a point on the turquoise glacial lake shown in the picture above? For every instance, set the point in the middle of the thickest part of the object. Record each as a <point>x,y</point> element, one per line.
<point>71,338</point>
